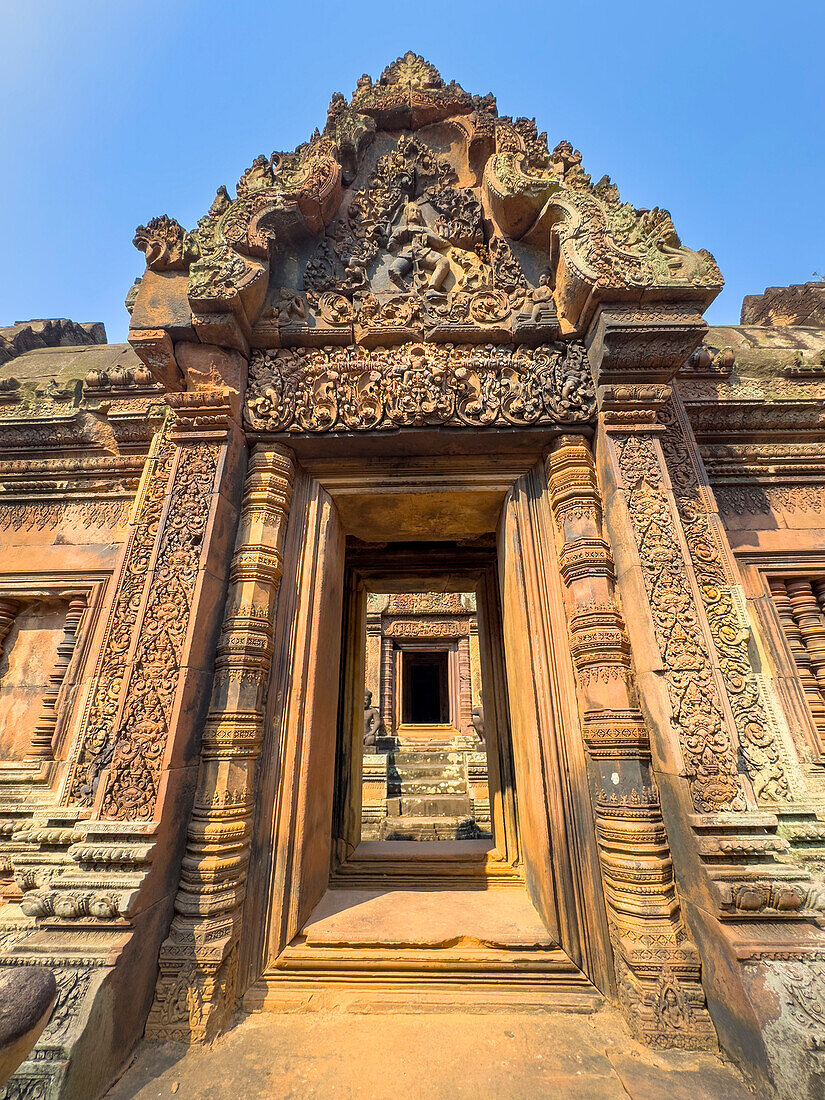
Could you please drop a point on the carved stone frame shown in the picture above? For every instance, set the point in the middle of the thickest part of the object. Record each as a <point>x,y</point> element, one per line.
<point>292,839</point>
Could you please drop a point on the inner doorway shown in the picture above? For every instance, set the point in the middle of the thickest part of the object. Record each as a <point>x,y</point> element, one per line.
<point>424,768</point>
<point>425,778</point>
<point>425,688</point>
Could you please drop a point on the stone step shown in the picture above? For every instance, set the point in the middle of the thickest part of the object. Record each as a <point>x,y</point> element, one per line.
<point>439,759</point>
<point>436,805</point>
<point>452,771</point>
<point>434,785</point>
<point>432,828</point>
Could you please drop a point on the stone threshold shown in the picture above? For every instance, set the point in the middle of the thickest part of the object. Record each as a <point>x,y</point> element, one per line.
<point>423,950</point>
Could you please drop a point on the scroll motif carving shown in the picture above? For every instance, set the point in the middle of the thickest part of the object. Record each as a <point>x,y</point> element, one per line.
<point>419,384</point>
<point>166,245</point>
<point>710,758</point>
<point>757,739</point>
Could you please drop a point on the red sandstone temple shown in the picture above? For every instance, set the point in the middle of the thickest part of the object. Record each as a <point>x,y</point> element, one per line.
<point>423,543</point>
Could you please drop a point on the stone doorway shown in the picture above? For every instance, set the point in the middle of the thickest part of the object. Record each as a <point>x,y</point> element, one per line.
<point>493,918</point>
<point>424,762</point>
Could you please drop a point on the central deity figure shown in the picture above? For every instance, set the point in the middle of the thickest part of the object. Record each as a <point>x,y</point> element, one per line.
<point>418,250</point>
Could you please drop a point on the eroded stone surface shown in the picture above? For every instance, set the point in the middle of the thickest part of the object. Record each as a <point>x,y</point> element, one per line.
<point>432,1056</point>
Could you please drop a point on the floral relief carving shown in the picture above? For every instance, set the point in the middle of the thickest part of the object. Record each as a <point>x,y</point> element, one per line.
<point>322,390</point>
<point>37,516</point>
<point>98,725</point>
<point>137,752</point>
<point>763,499</point>
<point>710,758</point>
<point>757,739</point>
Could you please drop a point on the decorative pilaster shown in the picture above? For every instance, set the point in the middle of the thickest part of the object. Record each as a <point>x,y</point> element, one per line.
<point>388,685</point>
<point>465,687</point>
<point>198,961</point>
<point>657,965</point>
<point>721,768</point>
<point>41,745</point>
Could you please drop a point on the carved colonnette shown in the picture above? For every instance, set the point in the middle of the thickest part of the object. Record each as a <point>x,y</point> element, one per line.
<point>97,871</point>
<point>799,601</point>
<point>198,961</point>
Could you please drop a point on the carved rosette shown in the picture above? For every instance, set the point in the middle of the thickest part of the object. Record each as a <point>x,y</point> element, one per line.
<point>198,961</point>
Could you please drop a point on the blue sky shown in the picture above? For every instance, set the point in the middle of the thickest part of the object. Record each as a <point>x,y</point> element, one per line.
<point>114,112</point>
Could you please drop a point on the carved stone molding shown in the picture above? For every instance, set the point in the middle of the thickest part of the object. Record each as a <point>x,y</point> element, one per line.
<point>28,515</point>
<point>762,500</point>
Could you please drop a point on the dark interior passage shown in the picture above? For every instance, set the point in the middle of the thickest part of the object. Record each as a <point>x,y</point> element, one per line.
<point>425,698</point>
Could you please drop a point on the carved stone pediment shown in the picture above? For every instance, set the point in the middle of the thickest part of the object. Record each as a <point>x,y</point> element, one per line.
<point>417,214</point>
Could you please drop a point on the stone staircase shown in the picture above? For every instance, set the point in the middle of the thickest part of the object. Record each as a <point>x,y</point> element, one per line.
<point>428,797</point>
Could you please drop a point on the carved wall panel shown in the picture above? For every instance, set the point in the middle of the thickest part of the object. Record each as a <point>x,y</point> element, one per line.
<point>724,607</point>
<point>418,384</point>
<point>198,961</point>
<point>138,749</point>
<point>97,746</point>
<point>710,757</point>
<point>657,965</point>
<point>103,876</point>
